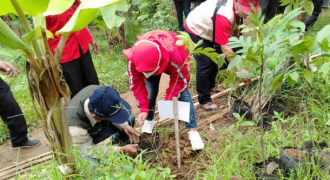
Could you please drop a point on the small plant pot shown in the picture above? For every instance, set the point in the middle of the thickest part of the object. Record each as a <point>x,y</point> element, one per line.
<point>149,145</point>
<point>261,172</point>
<point>308,147</point>
<point>240,107</point>
<point>279,107</point>
<point>292,159</point>
<point>267,121</point>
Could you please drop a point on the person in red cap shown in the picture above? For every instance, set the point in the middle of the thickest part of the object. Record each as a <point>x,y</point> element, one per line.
<point>200,25</point>
<point>153,54</point>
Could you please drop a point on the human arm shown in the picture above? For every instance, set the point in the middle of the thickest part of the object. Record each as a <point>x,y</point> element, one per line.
<point>8,69</point>
<point>84,142</point>
<point>223,29</point>
<point>131,133</point>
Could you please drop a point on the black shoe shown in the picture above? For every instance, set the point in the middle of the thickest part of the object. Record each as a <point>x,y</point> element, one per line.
<point>28,144</point>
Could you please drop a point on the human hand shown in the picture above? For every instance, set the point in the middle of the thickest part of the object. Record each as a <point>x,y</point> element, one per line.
<point>245,80</point>
<point>95,46</point>
<point>131,133</point>
<point>129,149</point>
<point>8,69</point>
<point>141,118</point>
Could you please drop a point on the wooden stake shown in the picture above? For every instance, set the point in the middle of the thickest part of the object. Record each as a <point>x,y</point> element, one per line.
<point>176,125</point>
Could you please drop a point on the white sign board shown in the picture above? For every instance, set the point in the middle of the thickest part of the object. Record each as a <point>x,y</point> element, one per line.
<point>165,109</point>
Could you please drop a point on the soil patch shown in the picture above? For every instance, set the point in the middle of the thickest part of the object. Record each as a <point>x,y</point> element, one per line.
<point>295,153</point>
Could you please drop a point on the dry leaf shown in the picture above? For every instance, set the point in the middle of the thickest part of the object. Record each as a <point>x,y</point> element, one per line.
<point>271,167</point>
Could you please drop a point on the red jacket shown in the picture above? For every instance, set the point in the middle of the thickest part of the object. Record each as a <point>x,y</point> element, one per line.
<point>144,57</point>
<point>71,48</point>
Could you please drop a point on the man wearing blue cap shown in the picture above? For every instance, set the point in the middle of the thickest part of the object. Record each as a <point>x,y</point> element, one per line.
<point>95,114</point>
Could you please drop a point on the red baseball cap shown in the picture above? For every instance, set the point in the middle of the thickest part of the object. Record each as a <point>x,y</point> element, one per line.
<point>245,5</point>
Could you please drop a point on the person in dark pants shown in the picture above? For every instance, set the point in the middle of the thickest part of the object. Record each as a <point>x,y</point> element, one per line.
<point>76,60</point>
<point>10,112</point>
<point>315,15</point>
<point>182,6</point>
<point>95,114</point>
<point>199,25</point>
<point>269,8</point>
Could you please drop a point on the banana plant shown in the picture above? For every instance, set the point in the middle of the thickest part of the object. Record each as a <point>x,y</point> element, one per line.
<point>122,29</point>
<point>49,92</point>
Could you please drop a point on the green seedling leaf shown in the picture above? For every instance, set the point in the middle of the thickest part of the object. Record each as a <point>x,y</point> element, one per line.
<point>9,38</point>
<point>325,45</point>
<point>36,34</point>
<point>309,76</point>
<point>238,135</point>
<point>325,69</point>
<point>294,76</point>
<point>84,14</point>
<point>323,34</point>
<point>57,7</point>
<point>277,81</point>
<point>235,62</point>
<point>245,75</point>
<point>129,168</point>
<point>309,6</point>
<point>179,43</point>
<point>320,59</point>
<point>30,7</point>
<point>297,24</point>
<point>247,123</point>
<point>110,17</point>
<point>272,62</point>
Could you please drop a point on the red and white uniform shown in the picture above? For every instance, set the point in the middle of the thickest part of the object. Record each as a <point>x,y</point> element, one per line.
<point>144,57</point>
<point>80,38</point>
<point>200,21</point>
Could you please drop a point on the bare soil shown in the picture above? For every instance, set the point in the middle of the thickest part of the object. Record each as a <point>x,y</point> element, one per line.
<point>295,153</point>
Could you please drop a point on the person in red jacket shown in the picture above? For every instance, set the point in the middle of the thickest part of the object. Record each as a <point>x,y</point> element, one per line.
<point>153,54</point>
<point>76,61</point>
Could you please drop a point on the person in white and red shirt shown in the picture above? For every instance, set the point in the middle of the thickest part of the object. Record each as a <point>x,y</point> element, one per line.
<point>153,54</point>
<point>199,25</point>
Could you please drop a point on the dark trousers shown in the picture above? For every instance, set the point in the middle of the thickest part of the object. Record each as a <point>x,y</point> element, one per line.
<point>80,73</point>
<point>199,2</point>
<point>316,12</point>
<point>206,71</point>
<point>269,8</point>
<point>11,114</point>
<point>110,129</point>
<point>182,7</point>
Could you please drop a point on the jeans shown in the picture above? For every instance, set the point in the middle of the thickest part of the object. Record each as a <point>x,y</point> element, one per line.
<point>182,7</point>
<point>152,84</point>
<point>316,12</point>
<point>80,73</point>
<point>269,8</point>
<point>118,136</point>
<point>11,114</point>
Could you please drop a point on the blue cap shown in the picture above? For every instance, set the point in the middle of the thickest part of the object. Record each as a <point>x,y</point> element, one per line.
<point>106,102</point>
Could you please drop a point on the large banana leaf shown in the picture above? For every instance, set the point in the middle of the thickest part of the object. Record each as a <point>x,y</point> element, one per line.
<point>84,14</point>
<point>109,14</point>
<point>57,7</point>
<point>9,38</point>
<point>30,7</point>
<point>132,29</point>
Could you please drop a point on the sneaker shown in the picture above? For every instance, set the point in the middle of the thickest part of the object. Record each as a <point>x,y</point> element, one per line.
<point>28,144</point>
<point>195,140</point>
<point>209,106</point>
<point>148,126</point>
